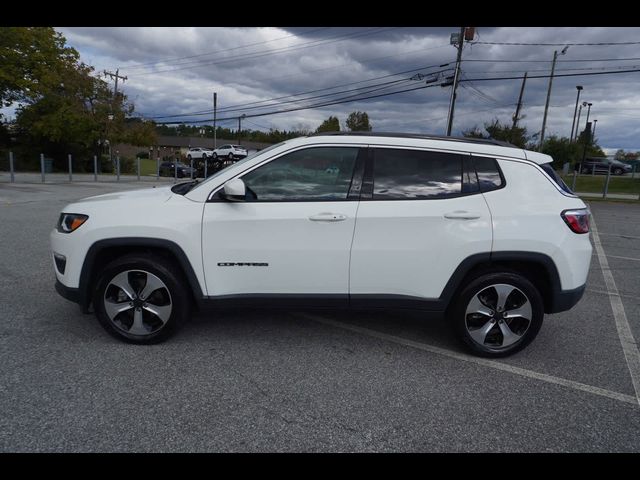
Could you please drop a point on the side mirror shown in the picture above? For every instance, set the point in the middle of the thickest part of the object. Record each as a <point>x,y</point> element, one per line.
<point>234,190</point>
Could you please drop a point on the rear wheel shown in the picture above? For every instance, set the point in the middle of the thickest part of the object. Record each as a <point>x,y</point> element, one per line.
<point>140,298</point>
<point>498,314</point>
<point>215,156</point>
<point>231,156</point>
<point>618,171</point>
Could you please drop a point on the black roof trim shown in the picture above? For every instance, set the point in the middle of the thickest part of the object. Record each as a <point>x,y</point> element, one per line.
<point>486,141</point>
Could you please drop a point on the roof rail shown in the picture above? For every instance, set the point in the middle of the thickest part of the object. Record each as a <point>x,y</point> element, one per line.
<point>486,141</point>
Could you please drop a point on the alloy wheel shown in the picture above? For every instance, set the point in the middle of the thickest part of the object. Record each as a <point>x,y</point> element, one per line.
<point>498,316</point>
<point>137,302</point>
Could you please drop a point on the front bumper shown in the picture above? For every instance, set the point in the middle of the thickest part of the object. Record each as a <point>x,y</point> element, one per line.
<point>71,294</point>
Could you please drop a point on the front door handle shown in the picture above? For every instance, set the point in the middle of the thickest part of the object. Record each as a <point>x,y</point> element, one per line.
<point>462,215</point>
<point>328,217</point>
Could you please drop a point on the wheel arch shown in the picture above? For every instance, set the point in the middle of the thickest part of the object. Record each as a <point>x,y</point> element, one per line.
<point>538,268</point>
<point>104,251</point>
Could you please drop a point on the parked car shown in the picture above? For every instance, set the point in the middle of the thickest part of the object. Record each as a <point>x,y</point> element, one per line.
<point>602,165</point>
<point>169,169</point>
<point>482,234</point>
<point>197,153</point>
<point>232,152</point>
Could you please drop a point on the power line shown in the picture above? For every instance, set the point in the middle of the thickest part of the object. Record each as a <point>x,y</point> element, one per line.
<point>557,70</point>
<point>319,105</point>
<point>547,61</point>
<point>547,76</point>
<point>237,107</point>
<point>349,100</point>
<point>554,44</point>
<point>171,59</point>
<point>265,53</point>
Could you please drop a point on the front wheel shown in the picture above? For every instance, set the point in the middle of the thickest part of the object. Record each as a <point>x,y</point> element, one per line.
<point>215,156</point>
<point>498,314</point>
<point>140,298</point>
<point>231,156</point>
<point>618,171</point>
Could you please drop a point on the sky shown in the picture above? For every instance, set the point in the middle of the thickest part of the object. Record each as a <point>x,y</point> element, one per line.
<point>175,70</point>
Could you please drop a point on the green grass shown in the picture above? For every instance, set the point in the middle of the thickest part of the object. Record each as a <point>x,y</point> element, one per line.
<point>147,167</point>
<point>595,183</point>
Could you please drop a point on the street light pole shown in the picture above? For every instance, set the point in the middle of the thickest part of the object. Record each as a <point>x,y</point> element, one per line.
<point>215,114</point>
<point>579,88</point>
<point>595,123</point>
<point>240,126</point>
<point>588,111</point>
<point>546,105</point>
<point>583,104</point>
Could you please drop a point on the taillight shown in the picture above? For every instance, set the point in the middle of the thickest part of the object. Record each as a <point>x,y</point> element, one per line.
<point>577,220</point>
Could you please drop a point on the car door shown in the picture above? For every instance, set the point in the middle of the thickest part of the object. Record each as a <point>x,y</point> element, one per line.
<point>292,235</point>
<point>421,215</point>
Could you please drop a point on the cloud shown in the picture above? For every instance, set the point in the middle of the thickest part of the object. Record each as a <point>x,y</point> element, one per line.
<point>176,70</point>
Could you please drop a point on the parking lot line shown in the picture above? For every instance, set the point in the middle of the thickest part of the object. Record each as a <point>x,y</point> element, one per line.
<point>604,292</point>
<point>630,237</point>
<point>478,361</point>
<point>624,258</point>
<point>629,346</point>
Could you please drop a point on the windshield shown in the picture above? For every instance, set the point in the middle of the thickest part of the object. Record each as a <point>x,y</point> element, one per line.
<point>240,162</point>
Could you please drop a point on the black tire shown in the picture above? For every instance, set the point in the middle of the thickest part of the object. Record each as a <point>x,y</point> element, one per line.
<point>618,171</point>
<point>230,156</point>
<point>188,157</point>
<point>204,157</point>
<point>491,346</point>
<point>215,156</point>
<point>173,291</point>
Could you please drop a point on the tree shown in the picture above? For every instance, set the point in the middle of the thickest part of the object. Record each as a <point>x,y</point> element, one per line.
<point>498,131</point>
<point>63,108</point>
<point>331,124</point>
<point>34,60</point>
<point>358,122</point>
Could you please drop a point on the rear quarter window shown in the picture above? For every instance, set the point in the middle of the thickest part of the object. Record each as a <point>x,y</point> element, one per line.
<point>548,169</point>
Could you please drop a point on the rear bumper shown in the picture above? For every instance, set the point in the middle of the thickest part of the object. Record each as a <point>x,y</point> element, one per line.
<point>566,299</point>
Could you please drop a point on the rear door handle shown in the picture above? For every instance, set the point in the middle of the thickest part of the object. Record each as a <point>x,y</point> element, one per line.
<point>462,215</point>
<point>328,217</point>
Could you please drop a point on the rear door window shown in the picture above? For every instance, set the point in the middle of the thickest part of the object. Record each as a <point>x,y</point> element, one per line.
<point>489,175</point>
<point>415,175</point>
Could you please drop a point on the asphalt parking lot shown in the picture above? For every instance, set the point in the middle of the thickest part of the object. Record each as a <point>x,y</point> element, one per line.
<point>310,381</point>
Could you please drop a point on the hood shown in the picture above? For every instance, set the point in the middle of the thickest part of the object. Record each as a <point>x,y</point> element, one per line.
<point>160,194</point>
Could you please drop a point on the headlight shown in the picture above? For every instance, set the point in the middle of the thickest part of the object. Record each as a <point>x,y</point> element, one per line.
<point>69,222</point>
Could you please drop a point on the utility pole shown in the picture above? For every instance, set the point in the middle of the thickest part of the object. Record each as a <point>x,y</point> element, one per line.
<point>516,116</point>
<point>116,76</point>
<point>456,77</point>
<point>215,113</point>
<point>546,105</point>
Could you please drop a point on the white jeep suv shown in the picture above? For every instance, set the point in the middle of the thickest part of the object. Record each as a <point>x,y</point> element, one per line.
<point>196,153</point>
<point>483,233</point>
<point>230,152</point>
